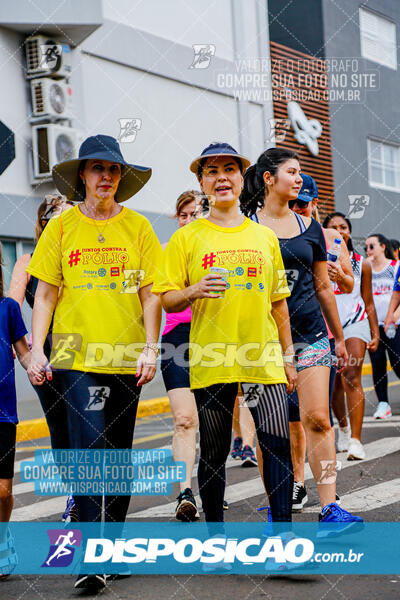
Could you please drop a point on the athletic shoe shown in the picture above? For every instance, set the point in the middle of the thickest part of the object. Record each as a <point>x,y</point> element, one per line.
<point>237,448</point>
<point>90,582</point>
<point>248,457</point>
<point>299,497</point>
<point>9,559</point>
<point>186,509</point>
<point>343,440</point>
<point>225,505</point>
<point>70,514</point>
<point>335,521</point>
<point>356,450</point>
<point>383,411</point>
<point>268,529</point>
<point>217,566</point>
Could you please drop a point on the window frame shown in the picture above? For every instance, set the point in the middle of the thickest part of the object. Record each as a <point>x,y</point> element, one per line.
<point>362,32</point>
<point>383,186</point>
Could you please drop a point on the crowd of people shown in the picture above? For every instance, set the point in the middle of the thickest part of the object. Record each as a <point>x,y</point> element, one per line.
<point>266,329</point>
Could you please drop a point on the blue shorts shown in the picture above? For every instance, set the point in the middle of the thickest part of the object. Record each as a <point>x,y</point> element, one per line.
<point>175,365</point>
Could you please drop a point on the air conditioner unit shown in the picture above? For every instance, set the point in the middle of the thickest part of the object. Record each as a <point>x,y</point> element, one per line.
<point>51,98</point>
<point>52,144</point>
<point>45,56</point>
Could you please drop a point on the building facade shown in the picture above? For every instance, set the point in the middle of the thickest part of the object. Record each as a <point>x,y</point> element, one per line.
<point>165,70</point>
<point>357,42</point>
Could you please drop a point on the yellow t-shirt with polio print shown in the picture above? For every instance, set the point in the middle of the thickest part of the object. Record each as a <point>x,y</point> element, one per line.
<point>234,338</point>
<point>98,321</point>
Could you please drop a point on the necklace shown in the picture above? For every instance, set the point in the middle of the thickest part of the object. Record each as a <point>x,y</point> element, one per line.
<point>100,237</point>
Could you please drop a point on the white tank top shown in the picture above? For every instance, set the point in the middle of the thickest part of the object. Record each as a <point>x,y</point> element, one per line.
<point>382,287</point>
<point>351,306</point>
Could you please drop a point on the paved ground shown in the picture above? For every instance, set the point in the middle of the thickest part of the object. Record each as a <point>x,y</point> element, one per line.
<point>367,487</point>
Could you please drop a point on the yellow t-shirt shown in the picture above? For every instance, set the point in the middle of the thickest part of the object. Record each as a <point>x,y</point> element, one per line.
<point>235,338</point>
<point>98,320</point>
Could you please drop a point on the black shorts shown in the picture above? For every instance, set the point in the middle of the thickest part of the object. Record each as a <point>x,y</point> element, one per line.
<point>8,434</point>
<point>175,357</point>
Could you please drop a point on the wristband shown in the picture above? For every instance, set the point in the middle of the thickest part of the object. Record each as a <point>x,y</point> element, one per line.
<point>153,347</point>
<point>289,359</point>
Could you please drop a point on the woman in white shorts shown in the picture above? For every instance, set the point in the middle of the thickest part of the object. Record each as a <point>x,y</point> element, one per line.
<point>358,318</point>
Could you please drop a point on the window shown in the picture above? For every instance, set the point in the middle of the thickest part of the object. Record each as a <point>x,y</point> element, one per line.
<point>11,250</point>
<point>378,39</point>
<point>9,256</point>
<point>383,165</point>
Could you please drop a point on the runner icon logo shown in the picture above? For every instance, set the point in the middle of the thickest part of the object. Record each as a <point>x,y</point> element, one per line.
<point>129,129</point>
<point>64,347</point>
<point>98,397</point>
<point>357,206</point>
<point>251,394</point>
<point>203,54</point>
<point>63,543</point>
<point>50,55</point>
<point>133,277</point>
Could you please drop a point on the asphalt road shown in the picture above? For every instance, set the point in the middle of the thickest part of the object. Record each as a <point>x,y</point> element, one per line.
<point>366,485</point>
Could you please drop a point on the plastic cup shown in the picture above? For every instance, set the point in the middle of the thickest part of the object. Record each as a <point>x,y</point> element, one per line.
<point>225,273</point>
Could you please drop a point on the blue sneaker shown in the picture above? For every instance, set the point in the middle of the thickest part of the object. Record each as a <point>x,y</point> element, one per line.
<point>268,529</point>
<point>335,521</point>
<point>70,514</point>
<point>9,558</point>
<point>237,448</point>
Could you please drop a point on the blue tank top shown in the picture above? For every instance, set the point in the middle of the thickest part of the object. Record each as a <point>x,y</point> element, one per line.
<point>298,254</point>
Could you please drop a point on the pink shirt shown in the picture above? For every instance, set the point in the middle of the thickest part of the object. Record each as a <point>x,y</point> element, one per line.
<point>174,319</point>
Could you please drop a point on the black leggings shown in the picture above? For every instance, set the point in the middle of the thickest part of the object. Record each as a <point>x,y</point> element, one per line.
<point>101,411</point>
<point>268,406</point>
<point>379,359</point>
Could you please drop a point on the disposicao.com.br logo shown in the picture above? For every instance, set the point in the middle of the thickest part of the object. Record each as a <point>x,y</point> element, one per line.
<point>62,547</point>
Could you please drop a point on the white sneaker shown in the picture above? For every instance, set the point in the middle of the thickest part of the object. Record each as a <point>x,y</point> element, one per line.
<point>383,411</point>
<point>356,450</point>
<point>343,440</point>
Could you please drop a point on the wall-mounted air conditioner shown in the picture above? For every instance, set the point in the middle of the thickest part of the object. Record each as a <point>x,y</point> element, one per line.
<point>45,56</point>
<point>52,144</point>
<point>51,98</point>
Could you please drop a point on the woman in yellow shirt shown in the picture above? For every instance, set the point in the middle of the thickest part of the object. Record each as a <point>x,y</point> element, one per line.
<point>96,264</point>
<point>240,326</point>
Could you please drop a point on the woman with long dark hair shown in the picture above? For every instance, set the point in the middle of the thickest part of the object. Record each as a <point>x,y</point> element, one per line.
<point>358,318</point>
<point>269,185</point>
<point>384,267</point>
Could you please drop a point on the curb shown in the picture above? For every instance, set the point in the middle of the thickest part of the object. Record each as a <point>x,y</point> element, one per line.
<point>37,428</point>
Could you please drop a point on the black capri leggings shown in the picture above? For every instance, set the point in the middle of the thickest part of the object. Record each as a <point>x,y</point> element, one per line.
<point>378,362</point>
<point>268,406</point>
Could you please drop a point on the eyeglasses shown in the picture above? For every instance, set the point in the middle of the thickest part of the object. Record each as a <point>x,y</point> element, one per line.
<point>369,247</point>
<point>300,203</point>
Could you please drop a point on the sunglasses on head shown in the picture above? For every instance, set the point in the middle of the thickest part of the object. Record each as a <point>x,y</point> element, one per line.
<point>300,203</point>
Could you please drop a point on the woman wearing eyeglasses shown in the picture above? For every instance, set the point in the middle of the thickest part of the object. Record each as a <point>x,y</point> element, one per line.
<point>23,286</point>
<point>384,267</point>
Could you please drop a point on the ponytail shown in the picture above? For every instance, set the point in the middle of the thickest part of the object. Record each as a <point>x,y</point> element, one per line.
<point>253,193</point>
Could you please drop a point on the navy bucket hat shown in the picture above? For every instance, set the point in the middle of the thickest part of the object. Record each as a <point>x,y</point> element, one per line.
<point>218,149</point>
<point>103,147</point>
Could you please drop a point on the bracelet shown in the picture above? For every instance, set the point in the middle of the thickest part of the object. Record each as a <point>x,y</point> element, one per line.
<point>153,347</point>
<point>289,359</point>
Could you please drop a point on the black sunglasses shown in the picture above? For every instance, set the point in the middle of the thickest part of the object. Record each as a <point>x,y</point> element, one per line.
<point>300,203</point>
<point>369,247</point>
